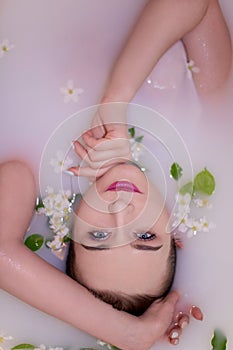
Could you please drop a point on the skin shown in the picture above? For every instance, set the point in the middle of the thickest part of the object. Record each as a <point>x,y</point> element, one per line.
<point>151,37</point>
<point>20,267</point>
<point>122,215</point>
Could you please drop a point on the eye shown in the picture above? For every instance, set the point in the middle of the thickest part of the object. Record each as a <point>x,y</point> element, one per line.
<point>146,236</point>
<point>99,235</point>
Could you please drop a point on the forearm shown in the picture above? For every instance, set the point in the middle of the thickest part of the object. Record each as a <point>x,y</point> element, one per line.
<point>161,24</point>
<point>29,278</point>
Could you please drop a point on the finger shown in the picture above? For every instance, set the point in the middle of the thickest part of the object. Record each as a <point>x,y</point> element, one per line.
<point>87,171</point>
<point>182,320</point>
<point>98,132</point>
<point>105,143</point>
<point>109,156</point>
<point>196,313</point>
<point>80,150</point>
<point>174,341</point>
<point>164,314</point>
<point>174,334</point>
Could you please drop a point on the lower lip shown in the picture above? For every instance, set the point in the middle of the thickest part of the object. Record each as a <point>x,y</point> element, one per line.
<point>123,186</point>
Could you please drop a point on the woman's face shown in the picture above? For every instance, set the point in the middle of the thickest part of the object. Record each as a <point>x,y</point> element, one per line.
<point>119,233</point>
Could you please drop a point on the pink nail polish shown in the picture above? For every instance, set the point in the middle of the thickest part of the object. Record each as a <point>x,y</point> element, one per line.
<point>196,313</point>
<point>174,341</point>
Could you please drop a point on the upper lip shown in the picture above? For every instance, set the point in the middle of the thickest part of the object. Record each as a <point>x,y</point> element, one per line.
<point>123,186</point>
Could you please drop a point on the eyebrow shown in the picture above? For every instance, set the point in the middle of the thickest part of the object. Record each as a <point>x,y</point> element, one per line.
<point>136,246</point>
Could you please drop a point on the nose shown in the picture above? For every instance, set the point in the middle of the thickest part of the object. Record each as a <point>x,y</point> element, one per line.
<point>120,205</point>
<point>121,208</point>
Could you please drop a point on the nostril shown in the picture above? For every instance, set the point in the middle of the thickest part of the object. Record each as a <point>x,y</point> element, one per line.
<point>119,206</point>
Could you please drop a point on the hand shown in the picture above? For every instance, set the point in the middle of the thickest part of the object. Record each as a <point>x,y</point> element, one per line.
<point>152,325</point>
<point>100,154</point>
<point>106,144</point>
<point>181,321</point>
<point>161,322</point>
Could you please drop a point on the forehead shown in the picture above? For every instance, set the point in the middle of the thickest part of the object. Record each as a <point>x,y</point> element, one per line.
<point>123,269</point>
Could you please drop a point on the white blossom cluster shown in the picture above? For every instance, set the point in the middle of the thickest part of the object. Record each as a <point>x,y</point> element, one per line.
<point>183,220</point>
<point>57,207</point>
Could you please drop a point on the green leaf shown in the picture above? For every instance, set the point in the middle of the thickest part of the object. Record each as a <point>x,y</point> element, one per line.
<point>219,340</point>
<point>139,139</point>
<point>23,346</point>
<point>67,238</point>
<point>34,242</point>
<point>204,182</point>
<point>39,204</point>
<point>176,171</point>
<point>187,188</point>
<point>131,132</point>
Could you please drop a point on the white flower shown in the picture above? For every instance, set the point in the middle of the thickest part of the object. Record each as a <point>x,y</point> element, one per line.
<point>202,203</point>
<point>183,224</point>
<point>57,348</point>
<point>5,46</point>
<point>41,347</point>
<point>136,149</point>
<point>194,227</point>
<point>56,243</point>
<point>56,223</point>
<point>101,343</point>
<point>191,68</point>
<point>61,203</point>
<point>206,226</point>
<point>183,203</point>
<point>70,92</point>
<point>63,232</point>
<point>4,338</point>
<point>60,162</point>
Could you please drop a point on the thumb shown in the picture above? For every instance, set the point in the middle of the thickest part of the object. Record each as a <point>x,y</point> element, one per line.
<point>166,311</point>
<point>160,314</point>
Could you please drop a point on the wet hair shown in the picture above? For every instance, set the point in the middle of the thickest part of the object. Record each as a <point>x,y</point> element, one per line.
<point>133,304</point>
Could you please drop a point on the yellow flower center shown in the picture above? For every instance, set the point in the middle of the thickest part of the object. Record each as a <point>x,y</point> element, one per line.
<point>5,49</point>
<point>70,91</point>
<point>1,339</point>
<point>205,202</point>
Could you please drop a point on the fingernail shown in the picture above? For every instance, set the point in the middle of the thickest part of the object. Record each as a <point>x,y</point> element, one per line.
<point>174,341</point>
<point>196,313</point>
<point>174,335</point>
<point>68,172</point>
<point>183,320</point>
<point>73,144</point>
<point>175,332</point>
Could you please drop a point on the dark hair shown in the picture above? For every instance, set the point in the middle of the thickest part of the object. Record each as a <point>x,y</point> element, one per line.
<point>133,304</point>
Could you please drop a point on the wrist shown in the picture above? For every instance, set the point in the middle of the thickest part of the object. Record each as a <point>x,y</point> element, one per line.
<point>125,95</point>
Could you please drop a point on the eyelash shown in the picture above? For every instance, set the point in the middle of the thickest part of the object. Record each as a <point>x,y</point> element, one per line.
<point>140,234</point>
<point>92,235</point>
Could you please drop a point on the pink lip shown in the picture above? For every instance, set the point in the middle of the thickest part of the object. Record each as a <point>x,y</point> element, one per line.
<point>123,186</point>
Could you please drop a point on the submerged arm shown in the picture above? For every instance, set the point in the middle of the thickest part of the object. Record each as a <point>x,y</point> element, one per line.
<point>161,24</point>
<point>20,268</point>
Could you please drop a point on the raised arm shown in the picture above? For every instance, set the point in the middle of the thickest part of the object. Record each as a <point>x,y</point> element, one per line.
<point>199,23</point>
<point>20,268</point>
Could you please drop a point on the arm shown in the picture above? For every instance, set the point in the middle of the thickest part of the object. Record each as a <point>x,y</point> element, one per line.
<point>161,24</point>
<point>20,268</point>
